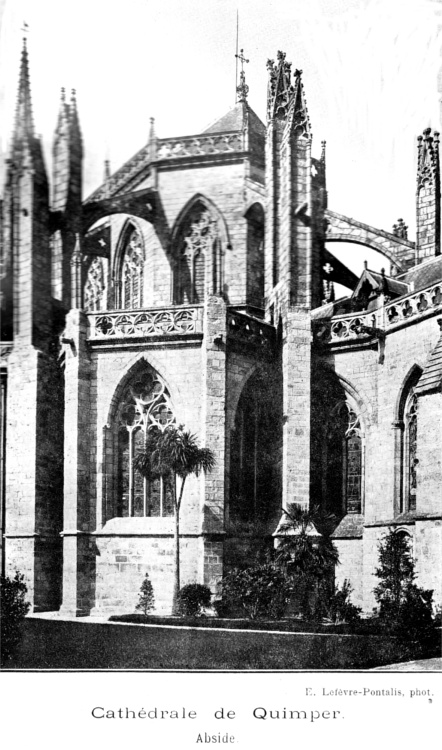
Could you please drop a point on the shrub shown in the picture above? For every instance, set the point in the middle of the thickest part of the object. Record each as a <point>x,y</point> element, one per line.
<point>403,607</point>
<point>192,598</point>
<point>14,609</point>
<point>146,596</point>
<point>340,608</point>
<point>261,590</point>
<point>308,559</point>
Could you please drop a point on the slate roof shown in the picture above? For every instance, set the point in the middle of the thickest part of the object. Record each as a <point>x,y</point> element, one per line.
<point>395,287</point>
<point>424,274</point>
<point>235,120</point>
<point>431,378</point>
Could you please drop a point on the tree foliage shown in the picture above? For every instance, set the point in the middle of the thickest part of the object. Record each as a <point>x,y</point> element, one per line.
<point>193,598</point>
<point>340,609</point>
<point>260,590</point>
<point>173,451</point>
<point>402,605</point>
<point>301,550</point>
<point>14,609</point>
<point>146,598</point>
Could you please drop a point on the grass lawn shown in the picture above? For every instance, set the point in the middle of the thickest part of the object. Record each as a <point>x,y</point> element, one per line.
<point>58,644</point>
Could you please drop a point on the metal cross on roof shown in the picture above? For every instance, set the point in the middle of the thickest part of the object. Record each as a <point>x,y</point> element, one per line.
<point>242,59</point>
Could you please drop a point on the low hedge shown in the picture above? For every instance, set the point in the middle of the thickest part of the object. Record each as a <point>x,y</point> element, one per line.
<point>369,626</point>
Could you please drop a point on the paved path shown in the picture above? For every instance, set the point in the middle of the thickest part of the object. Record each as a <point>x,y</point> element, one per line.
<point>424,665</point>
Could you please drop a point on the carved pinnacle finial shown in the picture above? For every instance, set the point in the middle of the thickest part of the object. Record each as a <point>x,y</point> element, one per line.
<point>152,129</point>
<point>107,172</point>
<point>427,157</point>
<point>242,90</point>
<point>24,123</point>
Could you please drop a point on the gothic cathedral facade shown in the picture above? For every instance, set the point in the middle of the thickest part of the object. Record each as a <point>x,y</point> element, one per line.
<point>195,287</point>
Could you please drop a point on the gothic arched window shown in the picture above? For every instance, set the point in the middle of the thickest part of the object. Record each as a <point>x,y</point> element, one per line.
<point>344,460</point>
<point>410,460</point>
<point>253,453</point>
<point>132,271</point>
<point>145,402</point>
<point>95,287</point>
<point>196,242</point>
<point>255,255</point>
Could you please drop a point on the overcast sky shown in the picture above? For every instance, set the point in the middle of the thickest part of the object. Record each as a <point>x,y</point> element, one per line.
<point>370,72</point>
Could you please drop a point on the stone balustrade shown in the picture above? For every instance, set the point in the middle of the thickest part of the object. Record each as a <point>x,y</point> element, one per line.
<point>201,145</point>
<point>170,321</point>
<point>356,326</point>
<point>245,330</point>
<point>413,305</point>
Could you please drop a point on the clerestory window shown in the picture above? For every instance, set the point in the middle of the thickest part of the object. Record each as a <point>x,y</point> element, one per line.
<point>95,287</point>
<point>132,271</point>
<point>197,242</point>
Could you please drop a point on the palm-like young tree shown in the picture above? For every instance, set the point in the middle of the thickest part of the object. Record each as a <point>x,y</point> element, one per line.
<point>301,545</point>
<point>174,451</point>
<point>305,554</point>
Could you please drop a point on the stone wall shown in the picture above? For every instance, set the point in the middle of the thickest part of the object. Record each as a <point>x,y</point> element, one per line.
<point>377,388</point>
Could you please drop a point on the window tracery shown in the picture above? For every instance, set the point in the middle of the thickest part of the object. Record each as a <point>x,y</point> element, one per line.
<point>198,242</point>
<point>145,403</point>
<point>132,272</point>
<point>410,452</point>
<point>95,287</point>
<point>344,472</point>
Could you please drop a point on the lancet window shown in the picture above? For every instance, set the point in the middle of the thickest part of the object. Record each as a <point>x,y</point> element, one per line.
<point>254,453</point>
<point>410,460</point>
<point>95,287</point>
<point>197,242</point>
<point>132,271</point>
<point>146,402</point>
<point>343,473</point>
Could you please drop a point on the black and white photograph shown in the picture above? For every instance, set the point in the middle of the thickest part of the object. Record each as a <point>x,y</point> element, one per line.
<point>221,365</point>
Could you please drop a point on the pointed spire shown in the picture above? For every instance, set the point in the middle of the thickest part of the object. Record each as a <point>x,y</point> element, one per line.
<point>286,99</point>
<point>63,118</point>
<point>74,119</point>
<point>24,121</point>
<point>298,112</point>
<point>280,88</point>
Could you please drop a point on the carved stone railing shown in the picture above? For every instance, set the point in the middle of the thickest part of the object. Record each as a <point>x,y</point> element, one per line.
<point>199,145</point>
<point>246,331</point>
<point>364,325</point>
<point>169,148</point>
<point>157,322</point>
<point>413,305</point>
